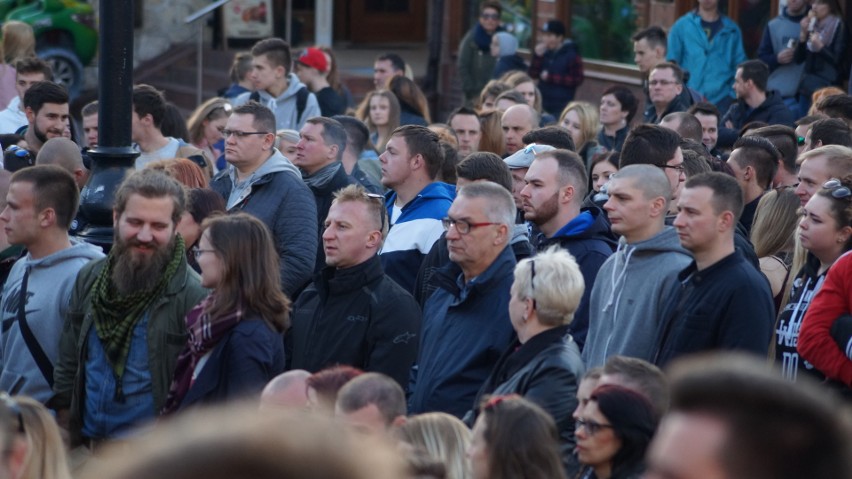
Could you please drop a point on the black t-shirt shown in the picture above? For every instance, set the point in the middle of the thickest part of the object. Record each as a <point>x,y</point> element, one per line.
<point>711,28</point>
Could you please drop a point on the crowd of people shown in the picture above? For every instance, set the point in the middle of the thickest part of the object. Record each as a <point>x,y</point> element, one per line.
<point>539,287</point>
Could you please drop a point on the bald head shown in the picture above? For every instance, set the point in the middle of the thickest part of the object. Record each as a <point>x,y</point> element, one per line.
<point>517,121</point>
<point>650,180</point>
<point>287,390</point>
<point>66,154</point>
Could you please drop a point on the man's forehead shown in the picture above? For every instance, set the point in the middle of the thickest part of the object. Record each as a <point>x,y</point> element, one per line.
<point>466,207</point>
<point>662,72</point>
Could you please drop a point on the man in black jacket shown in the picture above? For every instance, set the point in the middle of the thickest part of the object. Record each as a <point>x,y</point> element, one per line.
<point>354,313</point>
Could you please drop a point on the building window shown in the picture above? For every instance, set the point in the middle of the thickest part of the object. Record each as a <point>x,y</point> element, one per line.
<point>602,29</point>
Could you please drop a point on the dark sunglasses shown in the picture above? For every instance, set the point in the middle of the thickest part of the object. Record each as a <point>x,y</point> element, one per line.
<point>375,196</point>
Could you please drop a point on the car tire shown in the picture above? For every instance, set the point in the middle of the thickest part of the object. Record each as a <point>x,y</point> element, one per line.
<point>67,69</point>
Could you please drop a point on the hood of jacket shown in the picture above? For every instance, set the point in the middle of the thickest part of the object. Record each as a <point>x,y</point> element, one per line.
<point>78,249</point>
<point>433,191</point>
<point>597,228</point>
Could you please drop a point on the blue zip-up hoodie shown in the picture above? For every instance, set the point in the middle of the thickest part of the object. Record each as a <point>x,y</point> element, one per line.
<point>415,231</point>
<point>466,328</point>
<point>711,63</point>
<point>588,238</point>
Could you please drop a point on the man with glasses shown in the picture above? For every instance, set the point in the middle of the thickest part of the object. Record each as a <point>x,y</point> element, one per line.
<point>319,154</point>
<point>261,181</point>
<point>353,313</point>
<point>665,85</point>
<point>476,65</point>
<point>466,324</point>
<point>723,303</point>
<point>556,184</point>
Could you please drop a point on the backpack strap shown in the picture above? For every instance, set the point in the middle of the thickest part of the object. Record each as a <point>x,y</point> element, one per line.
<point>301,102</point>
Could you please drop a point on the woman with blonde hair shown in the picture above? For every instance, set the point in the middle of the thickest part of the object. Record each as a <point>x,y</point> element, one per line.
<point>582,121</point>
<point>772,236</point>
<point>46,458</point>
<point>380,112</point>
<point>18,42</point>
<point>205,127</point>
<point>441,435</point>
<point>525,85</point>
<point>488,96</point>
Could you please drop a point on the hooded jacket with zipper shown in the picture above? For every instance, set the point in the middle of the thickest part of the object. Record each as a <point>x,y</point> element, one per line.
<point>356,316</point>
<point>276,194</point>
<point>49,286</point>
<point>284,105</point>
<point>632,287</point>
<point>588,238</point>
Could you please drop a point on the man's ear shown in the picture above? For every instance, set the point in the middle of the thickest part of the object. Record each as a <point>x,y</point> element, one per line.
<point>30,114</point>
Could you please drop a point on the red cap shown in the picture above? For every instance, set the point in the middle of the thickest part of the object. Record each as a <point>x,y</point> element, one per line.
<point>314,58</point>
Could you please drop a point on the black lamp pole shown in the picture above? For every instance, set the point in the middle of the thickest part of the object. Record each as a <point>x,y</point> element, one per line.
<point>114,156</point>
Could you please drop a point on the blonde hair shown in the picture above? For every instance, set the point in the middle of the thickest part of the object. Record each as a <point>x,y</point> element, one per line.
<point>556,289</point>
<point>210,110</point>
<point>18,41</point>
<point>589,120</point>
<point>775,222</point>
<point>46,458</point>
<point>516,78</point>
<point>363,114</point>
<point>441,435</point>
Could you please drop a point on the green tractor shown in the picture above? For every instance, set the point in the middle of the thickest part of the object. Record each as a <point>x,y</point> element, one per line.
<point>66,35</point>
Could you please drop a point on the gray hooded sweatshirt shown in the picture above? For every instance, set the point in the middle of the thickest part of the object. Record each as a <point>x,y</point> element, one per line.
<point>284,105</point>
<point>49,286</point>
<point>632,288</point>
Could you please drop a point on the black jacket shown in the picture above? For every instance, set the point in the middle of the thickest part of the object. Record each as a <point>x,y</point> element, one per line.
<point>772,111</point>
<point>727,306</point>
<point>680,103</point>
<point>356,316</point>
<point>324,195</point>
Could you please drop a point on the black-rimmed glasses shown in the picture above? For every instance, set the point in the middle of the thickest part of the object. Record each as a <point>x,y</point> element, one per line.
<point>679,168</point>
<point>591,427</point>
<point>463,227</point>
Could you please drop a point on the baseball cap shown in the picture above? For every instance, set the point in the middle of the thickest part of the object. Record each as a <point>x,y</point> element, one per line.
<point>524,157</point>
<point>555,27</point>
<point>314,58</point>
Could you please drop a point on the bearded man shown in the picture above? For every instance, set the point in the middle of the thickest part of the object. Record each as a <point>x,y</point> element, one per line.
<point>125,326</point>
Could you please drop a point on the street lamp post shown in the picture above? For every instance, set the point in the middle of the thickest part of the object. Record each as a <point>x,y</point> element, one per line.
<point>114,156</point>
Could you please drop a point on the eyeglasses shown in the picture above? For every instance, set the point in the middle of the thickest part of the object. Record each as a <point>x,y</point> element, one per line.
<point>662,82</point>
<point>800,140</point>
<point>489,16</point>
<point>384,210</point>
<point>591,427</point>
<point>197,252</point>
<point>679,168</point>
<point>838,191</point>
<point>242,134</point>
<point>463,227</point>
<point>13,407</point>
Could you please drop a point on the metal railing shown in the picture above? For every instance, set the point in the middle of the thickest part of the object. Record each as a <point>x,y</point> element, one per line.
<point>199,60</point>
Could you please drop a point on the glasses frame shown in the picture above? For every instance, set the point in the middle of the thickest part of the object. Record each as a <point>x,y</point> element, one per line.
<point>679,168</point>
<point>592,427</point>
<point>197,252</point>
<point>663,82</point>
<point>226,133</point>
<point>447,222</point>
<point>384,209</point>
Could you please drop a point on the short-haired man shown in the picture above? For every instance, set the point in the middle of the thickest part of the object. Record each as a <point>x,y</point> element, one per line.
<point>754,102</point>
<point>475,62</point>
<point>635,284</point>
<point>466,324</point>
<point>278,88</point>
<point>372,403</point>
<point>803,124</point>
<point>387,66</point>
<point>66,154</point>
<point>90,124</point>
<point>288,390</point>
<point>556,184</point>
<point>126,312</point>
<point>778,47</point>
<point>558,67</point>
<point>724,303</point>
<point>149,110</point>
<point>657,146</point>
<point>665,85</point>
<point>318,156</point>
<point>353,313</point>
<point>368,173</point>
<point>754,161</point>
<point>784,140</point>
<point>516,122</point>
<point>46,107</point>
<point>261,181</point>
<point>40,205</point>
<point>685,124</point>
<point>828,131</point>
<point>465,122</point>
<point>28,71</point>
<point>640,376</point>
<point>820,165</point>
<point>836,106</point>
<point>649,48</point>
<point>519,163</point>
<point>555,136</point>
<point>416,203</point>
<point>732,418</point>
<point>708,115</point>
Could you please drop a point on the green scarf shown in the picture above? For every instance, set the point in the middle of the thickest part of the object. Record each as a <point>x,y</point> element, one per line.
<point>115,316</point>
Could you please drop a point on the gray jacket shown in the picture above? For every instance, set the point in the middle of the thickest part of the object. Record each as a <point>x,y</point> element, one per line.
<point>49,286</point>
<point>631,291</point>
<point>284,105</point>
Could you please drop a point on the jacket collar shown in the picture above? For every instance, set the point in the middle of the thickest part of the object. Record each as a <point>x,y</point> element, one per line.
<point>332,281</point>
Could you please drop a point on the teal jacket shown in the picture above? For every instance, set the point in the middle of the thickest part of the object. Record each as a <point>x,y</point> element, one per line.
<point>711,64</point>
<point>166,338</point>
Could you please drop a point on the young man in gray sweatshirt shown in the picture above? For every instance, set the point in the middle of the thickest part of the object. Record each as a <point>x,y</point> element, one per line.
<point>635,282</point>
<point>41,202</point>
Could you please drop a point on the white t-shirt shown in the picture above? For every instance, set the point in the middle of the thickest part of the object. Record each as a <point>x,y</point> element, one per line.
<point>165,153</point>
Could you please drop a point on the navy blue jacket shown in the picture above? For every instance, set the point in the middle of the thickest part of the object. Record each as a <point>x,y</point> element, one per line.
<point>726,306</point>
<point>324,195</point>
<point>509,63</point>
<point>590,247</point>
<point>772,111</point>
<point>466,328</point>
<point>564,67</point>
<point>245,359</point>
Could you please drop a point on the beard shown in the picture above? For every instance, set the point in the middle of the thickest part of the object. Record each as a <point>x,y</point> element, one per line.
<point>135,272</point>
<point>544,213</point>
